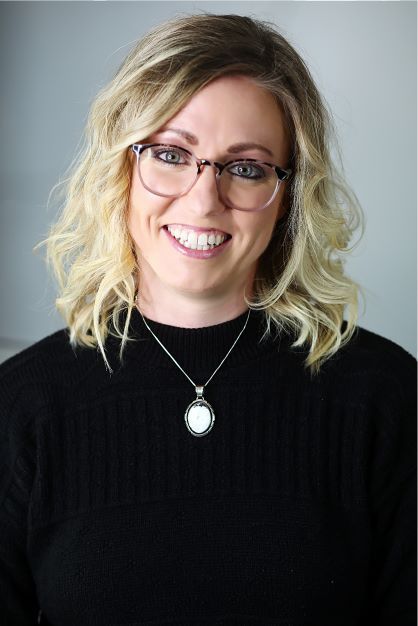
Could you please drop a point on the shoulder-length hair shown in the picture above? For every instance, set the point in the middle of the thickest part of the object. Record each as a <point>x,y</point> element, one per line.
<point>300,282</point>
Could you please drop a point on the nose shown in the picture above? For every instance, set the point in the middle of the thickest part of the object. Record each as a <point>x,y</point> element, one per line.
<point>203,198</point>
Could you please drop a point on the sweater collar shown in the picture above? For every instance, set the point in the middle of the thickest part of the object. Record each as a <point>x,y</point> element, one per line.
<point>199,350</point>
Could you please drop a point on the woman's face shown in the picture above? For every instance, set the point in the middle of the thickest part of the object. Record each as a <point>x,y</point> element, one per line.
<point>227,112</point>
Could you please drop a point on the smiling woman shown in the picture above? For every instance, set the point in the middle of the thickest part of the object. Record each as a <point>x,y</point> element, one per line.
<point>173,193</point>
<point>212,438</point>
<point>300,284</point>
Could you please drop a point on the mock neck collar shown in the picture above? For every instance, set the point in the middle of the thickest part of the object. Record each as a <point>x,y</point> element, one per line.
<point>199,350</point>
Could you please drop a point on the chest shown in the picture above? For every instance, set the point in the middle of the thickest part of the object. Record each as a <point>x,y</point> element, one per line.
<point>138,521</point>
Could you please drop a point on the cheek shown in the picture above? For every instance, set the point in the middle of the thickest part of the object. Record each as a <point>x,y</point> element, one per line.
<point>137,222</point>
<point>261,229</point>
<point>138,200</point>
<point>144,209</point>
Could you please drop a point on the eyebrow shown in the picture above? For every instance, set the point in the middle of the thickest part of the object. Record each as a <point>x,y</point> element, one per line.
<point>236,148</point>
<point>189,137</point>
<point>248,145</point>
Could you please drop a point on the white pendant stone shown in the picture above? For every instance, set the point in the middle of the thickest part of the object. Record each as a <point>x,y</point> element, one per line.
<point>199,417</point>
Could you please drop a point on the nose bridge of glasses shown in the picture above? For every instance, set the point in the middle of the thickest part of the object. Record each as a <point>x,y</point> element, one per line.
<point>202,162</point>
<point>212,184</point>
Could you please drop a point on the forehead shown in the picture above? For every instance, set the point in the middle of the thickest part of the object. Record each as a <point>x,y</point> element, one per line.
<point>231,110</point>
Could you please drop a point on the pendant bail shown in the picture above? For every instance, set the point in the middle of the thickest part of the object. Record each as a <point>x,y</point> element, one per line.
<point>199,391</point>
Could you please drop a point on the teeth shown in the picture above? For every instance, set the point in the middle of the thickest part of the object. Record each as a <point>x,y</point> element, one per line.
<point>192,239</point>
<point>196,241</point>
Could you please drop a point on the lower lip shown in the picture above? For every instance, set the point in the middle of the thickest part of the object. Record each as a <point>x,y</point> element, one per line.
<point>196,254</point>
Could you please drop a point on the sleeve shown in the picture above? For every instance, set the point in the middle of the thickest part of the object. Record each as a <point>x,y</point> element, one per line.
<point>393,582</point>
<point>18,603</point>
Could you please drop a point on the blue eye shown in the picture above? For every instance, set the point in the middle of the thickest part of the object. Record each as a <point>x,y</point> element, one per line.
<point>245,170</point>
<point>171,156</point>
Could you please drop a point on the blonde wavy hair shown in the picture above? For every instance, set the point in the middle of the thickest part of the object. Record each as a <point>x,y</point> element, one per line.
<point>300,283</point>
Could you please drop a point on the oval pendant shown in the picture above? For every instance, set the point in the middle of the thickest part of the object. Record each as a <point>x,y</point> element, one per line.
<point>199,417</point>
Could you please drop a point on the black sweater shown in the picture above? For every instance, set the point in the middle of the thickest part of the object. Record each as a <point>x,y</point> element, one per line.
<point>298,507</point>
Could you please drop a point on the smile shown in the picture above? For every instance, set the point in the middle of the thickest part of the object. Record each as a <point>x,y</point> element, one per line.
<point>197,243</point>
<point>197,239</point>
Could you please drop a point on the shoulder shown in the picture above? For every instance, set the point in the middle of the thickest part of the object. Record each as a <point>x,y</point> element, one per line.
<point>366,356</point>
<point>47,357</point>
<point>373,375</point>
<point>43,375</point>
<point>369,343</point>
<point>370,354</point>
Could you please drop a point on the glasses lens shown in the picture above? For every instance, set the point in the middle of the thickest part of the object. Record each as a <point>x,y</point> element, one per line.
<point>248,185</point>
<point>167,170</point>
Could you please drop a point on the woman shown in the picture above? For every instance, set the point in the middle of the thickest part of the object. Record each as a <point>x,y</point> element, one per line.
<point>208,441</point>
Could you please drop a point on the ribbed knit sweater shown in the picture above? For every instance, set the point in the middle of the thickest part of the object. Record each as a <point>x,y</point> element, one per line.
<point>297,508</point>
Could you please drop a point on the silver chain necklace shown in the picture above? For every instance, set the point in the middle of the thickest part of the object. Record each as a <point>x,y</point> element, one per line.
<point>199,416</point>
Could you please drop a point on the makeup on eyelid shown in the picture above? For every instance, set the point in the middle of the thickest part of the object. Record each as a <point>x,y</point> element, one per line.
<point>236,149</point>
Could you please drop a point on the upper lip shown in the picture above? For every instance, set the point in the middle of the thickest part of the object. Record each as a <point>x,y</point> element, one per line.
<point>198,229</point>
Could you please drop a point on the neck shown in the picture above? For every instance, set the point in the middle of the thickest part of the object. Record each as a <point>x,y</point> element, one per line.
<point>192,311</point>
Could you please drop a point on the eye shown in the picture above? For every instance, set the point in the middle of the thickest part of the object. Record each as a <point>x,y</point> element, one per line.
<point>247,170</point>
<point>170,155</point>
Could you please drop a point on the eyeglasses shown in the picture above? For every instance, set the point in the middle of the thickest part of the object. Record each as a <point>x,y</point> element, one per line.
<point>244,184</point>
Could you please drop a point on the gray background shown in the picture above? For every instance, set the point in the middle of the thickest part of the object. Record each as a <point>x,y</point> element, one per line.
<point>56,55</point>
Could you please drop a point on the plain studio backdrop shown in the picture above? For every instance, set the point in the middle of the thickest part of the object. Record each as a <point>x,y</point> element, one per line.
<point>55,56</point>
